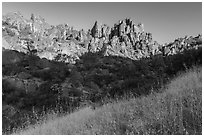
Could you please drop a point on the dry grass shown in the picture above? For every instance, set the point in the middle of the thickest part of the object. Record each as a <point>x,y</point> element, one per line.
<point>178,110</point>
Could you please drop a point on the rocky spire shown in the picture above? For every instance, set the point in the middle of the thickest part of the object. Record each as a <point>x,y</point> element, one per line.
<point>32,18</point>
<point>141,27</point>
<point>95,30</point>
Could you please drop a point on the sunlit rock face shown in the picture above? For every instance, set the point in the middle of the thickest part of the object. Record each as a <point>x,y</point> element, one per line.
<point>65,44</point>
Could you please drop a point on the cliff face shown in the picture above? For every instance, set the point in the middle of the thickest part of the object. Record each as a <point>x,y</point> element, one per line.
<point>63,43</point>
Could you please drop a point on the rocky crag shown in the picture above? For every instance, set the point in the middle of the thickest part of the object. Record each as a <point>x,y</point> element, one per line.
<point>46,67</point>
<point>63,43</point>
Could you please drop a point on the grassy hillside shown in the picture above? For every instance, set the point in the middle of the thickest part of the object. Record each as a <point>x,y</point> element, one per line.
<point>177,110</point>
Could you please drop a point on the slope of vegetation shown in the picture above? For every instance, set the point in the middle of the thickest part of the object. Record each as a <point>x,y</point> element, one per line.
<point>94,78</point>
<point>177,110</point>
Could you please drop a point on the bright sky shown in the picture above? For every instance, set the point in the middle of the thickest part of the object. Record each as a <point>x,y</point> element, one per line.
<point>166,21</point>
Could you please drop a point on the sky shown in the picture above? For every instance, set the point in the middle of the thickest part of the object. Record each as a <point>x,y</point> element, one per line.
<point>166,21</point>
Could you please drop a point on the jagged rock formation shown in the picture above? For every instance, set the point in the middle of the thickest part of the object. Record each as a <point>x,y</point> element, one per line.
<point>181,44</point>
<point>63,43</point>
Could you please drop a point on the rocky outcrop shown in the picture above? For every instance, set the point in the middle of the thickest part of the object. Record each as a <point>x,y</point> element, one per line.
<point>181,44</point>
<point>95,30</point>
<point>63,43</point>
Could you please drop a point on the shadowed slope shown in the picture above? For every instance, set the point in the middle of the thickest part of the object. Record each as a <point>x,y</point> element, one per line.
<point>178,110</point>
